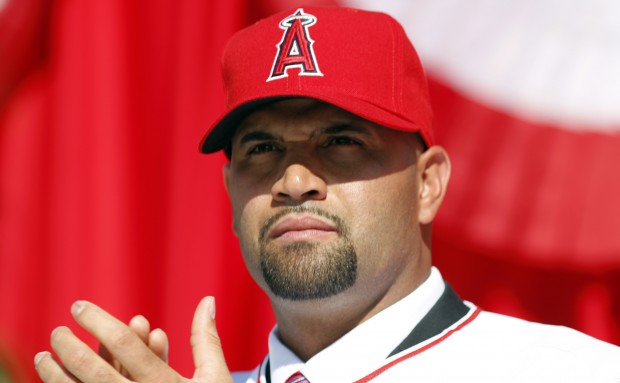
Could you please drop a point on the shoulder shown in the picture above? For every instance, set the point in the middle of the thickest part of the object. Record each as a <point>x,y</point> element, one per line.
<point>544,349</point>
<point>519,332</point>
<point>497,348</point>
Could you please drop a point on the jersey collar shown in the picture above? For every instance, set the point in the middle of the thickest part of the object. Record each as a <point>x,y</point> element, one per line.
<point>367,345</point>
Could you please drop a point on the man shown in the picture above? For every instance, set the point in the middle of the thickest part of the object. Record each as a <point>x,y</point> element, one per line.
<point>334,180</point>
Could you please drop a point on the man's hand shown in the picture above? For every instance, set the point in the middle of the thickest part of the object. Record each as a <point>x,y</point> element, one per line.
<point>156,340</point>
<point>81,364</point>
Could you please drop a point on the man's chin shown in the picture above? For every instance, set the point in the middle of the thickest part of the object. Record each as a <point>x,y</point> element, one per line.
<point>307,270</point>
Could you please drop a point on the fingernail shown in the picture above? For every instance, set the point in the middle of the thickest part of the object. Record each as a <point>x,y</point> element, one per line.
<point>77,308</point>
<point>135,321</point>
<point>211,301</point>
<point>39,356</point>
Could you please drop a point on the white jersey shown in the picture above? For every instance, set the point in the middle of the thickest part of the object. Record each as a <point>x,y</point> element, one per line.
<point>453,341</point>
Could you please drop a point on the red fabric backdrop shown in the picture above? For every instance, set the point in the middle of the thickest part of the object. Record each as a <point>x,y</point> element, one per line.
<point>104,196</point>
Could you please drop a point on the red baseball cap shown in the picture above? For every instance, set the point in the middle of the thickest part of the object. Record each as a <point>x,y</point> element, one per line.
<point>357,60</point>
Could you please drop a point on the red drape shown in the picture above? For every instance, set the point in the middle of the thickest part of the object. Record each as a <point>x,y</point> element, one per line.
<point>520,231</point>
<point>104,196</point>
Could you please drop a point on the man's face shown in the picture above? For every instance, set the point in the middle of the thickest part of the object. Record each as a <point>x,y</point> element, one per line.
<point>324,202</point>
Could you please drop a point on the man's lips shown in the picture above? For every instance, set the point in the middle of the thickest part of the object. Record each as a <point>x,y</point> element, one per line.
<point>301,228</point>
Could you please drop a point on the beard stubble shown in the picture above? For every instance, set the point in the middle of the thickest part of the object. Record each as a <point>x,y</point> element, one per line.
<point>308,270</point>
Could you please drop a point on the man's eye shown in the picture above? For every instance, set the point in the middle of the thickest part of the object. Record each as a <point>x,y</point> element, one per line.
<point>340,141</point>
<point>263,148</point>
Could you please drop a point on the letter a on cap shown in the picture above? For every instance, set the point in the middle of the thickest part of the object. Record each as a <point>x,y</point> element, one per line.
<point>295,48</point>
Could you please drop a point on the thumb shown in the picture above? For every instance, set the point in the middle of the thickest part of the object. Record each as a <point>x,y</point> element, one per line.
<point>206,346</point>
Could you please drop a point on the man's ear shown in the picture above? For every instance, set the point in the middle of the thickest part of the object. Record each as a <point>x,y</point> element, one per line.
<point>434,174</point>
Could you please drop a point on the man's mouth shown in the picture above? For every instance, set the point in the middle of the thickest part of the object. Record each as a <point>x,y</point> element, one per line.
<point>301,228</point>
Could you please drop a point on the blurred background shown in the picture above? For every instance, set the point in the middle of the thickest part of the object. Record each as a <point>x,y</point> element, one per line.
<point>105,197</point>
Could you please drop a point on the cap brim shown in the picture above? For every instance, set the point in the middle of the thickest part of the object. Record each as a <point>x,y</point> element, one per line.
<point>219,136</point>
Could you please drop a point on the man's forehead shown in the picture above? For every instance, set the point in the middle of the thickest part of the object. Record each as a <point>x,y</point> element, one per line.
<point>299,112</point>
<point>294,107</point>
<point>301,118</point>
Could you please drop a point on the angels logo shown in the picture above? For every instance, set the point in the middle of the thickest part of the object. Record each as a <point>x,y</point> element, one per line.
<point>295,48</point>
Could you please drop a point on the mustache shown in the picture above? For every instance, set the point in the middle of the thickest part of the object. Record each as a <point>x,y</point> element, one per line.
<point>269,222</point>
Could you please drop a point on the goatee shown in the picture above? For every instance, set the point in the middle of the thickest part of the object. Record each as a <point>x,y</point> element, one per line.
<point>308,270</point>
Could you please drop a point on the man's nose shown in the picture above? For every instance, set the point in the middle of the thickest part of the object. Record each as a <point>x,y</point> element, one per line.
<point>298,183</point>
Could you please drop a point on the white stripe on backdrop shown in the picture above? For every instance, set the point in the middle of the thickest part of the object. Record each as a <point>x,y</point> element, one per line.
<point>550,61</point>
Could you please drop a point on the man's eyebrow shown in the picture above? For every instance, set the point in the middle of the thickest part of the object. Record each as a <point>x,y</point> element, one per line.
<point>260,135</point>
<point>343,128</point>
<point>256,135</point>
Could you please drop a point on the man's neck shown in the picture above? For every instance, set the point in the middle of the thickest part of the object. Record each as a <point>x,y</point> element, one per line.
<point>308,327</point>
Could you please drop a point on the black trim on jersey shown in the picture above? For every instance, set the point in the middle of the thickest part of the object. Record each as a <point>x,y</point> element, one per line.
<point>448,310</point>
<point>267,371</point>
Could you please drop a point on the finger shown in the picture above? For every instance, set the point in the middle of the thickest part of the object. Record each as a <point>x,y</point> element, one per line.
<point>50,371</point>
<point>206,346</point>
<point>141,326</point>
<point>158,343</point>
<point>80,360</point>
<point>105,355</point>
<point>125,346</point>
